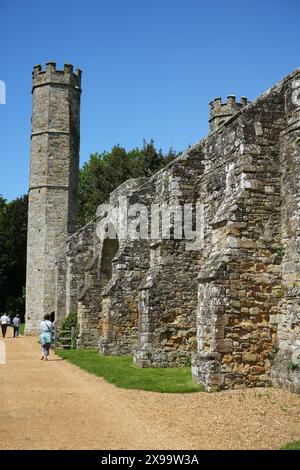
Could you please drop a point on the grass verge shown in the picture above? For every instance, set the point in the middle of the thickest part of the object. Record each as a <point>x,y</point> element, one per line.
<point>120,371</point>
<point>292,446</point>
<point>22,328</point>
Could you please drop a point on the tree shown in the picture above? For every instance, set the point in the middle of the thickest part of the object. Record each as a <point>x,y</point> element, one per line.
<point>106,171</point>
<point>13,240</point>
<point>2,206</point>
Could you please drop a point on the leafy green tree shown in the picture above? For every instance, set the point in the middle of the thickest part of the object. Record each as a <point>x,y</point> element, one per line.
<point>2,207</point>
<point>13,240</point>
<point>106,171</point>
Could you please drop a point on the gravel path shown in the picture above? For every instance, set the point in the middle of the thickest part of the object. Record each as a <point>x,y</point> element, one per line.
<point>56,405</point>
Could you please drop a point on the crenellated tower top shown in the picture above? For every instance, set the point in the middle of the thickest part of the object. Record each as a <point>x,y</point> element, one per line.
<point>52,75</point>
<point>221,112</point>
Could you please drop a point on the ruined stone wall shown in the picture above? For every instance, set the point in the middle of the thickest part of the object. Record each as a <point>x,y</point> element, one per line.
<point>241,274</point>
<point>80,249</point>
<point>286,354</point>
<point>60,287</point>
<point>114,268</point>
<point>82,280</point>
<point>74,259</point>
<point>54,168</point>
<point>118,324</point>
<point>232,301</point>
<point>168,293</point>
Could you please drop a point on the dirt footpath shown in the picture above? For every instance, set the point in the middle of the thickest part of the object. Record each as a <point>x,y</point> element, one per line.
<point>56,405</point>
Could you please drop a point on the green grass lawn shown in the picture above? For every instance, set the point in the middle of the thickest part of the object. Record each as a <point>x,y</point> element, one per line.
<point>292,446</point>
<point>22,328</point>
<point>121,372</point>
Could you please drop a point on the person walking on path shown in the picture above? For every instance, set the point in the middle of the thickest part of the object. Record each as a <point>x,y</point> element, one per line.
<point>16,324</point>
<point>46,337</point>
<point>5,321</point>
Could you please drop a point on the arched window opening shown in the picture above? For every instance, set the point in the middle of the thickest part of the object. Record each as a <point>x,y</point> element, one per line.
<point>109,251</point>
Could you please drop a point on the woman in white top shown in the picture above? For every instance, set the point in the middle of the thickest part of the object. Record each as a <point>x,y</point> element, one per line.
<point>46,337</point>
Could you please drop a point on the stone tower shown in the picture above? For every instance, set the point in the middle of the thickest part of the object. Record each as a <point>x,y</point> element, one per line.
<point>221,112</point>
<point>54,172</point>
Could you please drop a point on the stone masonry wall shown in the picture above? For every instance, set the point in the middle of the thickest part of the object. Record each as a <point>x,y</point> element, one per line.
<point>230,302</point>
<point>241,275</point>
<point>107,306</point>
<point>286,354</point>
<point>168,293</point>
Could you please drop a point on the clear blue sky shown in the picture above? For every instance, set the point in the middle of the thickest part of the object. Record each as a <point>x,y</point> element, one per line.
<point>150,67</point>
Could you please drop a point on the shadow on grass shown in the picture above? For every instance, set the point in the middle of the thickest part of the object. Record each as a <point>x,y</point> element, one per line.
<point>120,371</point>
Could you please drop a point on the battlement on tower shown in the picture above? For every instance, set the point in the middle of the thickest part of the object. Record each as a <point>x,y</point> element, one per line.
<point>52,75</point>
<point>221,112</point>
